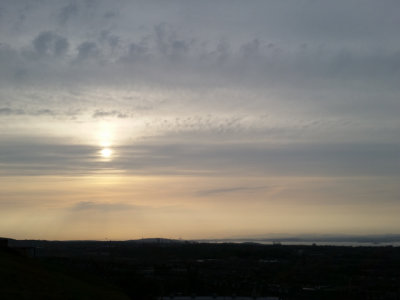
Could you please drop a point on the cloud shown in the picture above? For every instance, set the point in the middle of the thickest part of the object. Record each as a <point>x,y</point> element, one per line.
<point>138,52</point>
<point>113,113</point>
<point>150,61</point>
<point>33,156</point>
<point>170,53</point>
<point>110,39</point>
<point>110,207</point>
<point>68,12</point>
<point>255,76</point>
<point>50,43</point>
<point>103,207</point>
<point>169,44</point>
<point>87,51</point>
<point>38,156</point>
<point>213,192</point>
<point>5,111</point>
<point>44,112</point>
<point>251,49</point>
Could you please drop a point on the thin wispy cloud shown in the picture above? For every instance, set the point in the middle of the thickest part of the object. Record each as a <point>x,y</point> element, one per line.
<point>211,192</point>
<point>105,207</point>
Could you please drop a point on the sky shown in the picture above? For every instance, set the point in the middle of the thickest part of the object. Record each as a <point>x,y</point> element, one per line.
<point>199,119</point>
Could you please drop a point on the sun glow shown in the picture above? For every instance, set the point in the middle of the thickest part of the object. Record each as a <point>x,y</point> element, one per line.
<point>105,134</point>
<point>106,152</point>
<point>105,137</point>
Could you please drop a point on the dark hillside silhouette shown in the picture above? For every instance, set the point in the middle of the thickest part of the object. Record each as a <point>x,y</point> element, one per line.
<point>151,269</point>
<point>24,278</point>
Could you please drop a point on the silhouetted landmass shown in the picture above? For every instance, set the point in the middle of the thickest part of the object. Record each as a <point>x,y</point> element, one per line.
<point>24,278</point>
<point>332,239</point>
<point>152,268</point>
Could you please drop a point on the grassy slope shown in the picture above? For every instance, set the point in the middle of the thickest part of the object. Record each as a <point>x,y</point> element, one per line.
<point>24,278</point>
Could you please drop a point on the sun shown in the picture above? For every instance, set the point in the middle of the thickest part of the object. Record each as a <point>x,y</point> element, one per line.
<point>106,152</point>
<point>105,139</point>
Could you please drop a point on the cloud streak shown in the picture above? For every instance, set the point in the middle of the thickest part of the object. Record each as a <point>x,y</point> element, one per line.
<point>103,207</point>
<point>213,192</point>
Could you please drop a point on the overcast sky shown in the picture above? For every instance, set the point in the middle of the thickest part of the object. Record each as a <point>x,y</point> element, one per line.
<point>123,119</point>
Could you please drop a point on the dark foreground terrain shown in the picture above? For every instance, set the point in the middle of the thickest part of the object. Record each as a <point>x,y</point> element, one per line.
<point>150,269</point>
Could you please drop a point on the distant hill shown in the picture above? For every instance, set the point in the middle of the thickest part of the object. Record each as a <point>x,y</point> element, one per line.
<point>157,240</point>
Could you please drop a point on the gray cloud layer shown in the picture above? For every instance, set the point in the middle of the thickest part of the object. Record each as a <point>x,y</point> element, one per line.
<point>218,159</point>
<point>265,43</point>
<point>256,76</point>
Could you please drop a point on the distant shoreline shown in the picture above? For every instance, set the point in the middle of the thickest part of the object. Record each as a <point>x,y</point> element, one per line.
<point>348,241</point>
